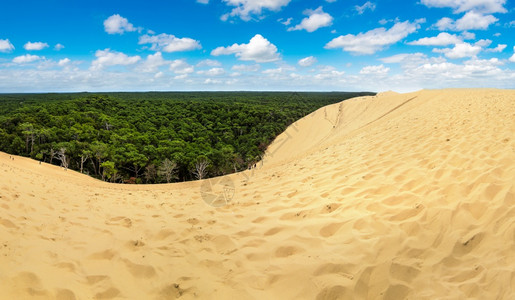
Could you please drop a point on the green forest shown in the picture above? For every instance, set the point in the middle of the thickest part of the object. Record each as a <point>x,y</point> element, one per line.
<point>152,137</point>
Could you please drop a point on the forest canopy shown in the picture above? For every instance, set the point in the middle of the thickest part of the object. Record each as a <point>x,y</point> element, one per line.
<point>152,137</point>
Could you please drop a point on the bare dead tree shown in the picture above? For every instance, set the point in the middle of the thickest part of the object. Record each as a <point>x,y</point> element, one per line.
<point>83,159</point>
<point>52,154</point>
<point>61,155</point>
<point>150,173</point>
<point>168,169</point>
<point>116,177</point>
<point>200,171</point>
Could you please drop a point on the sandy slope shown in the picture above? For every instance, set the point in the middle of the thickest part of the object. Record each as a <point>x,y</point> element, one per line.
<point>394,196</point>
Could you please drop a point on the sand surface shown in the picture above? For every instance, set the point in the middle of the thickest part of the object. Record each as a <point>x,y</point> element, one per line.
<point>397,196</point>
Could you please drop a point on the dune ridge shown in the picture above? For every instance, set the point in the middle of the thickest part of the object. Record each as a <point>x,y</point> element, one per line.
<point>396,196</point>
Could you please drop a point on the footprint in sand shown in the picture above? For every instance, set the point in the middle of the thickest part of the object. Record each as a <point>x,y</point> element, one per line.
<point>120,221</point>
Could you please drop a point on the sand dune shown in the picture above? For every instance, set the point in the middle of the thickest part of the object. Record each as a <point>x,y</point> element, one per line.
<point>395,196</point>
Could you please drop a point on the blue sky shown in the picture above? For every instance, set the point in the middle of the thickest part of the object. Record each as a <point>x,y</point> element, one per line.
<point>325,45</point>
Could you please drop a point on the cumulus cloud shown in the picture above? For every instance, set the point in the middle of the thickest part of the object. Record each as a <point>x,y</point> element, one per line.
<point>483,43</point>
<point>246,68</point>
<point>445,24</point>
<point>259,49</point>
<point>106,58</point>
<point>245,8</point>
<point>285,22</point>
<point>212,72</point>
<point>117,24</point>
<point>278,71</point>
<point>209,63</point>
<point>512,58</point>
<point>484,6</point>
<point>316,19</point>
<point>152,63</point>
<point>25,59</point>
<point>367,5</point>
<point>379,70</point>
<point>406,59</point>
<point>63,62</point>
<point>473,20</point>
<point>470,69</point>
<point>470,21</point>
<point>329,73</point>
<point>468,35</point>
<point>307,61</point>
<point>442,39</point>
<point>180,66</point>
<point>6,46</point>
<point>58,47</point>
<point>169,43</point>
<point>460,50</point>
<point>35,46</point>
<point>373,40</point>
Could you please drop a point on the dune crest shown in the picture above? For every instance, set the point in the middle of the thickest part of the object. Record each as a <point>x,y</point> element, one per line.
<point>394,196</point>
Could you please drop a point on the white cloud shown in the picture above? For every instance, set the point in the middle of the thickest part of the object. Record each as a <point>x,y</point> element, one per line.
<point>329,73</point>
<point>6,46</point>
<point>25,59</point>
<point>118,24</point>
<point>470,21</point>
<point>245,8</point>
<point>35,46</point>
<point>378,70</point>
<point>212,81</point>
<point>106,58</point>
<point>368,5</point>
<point>373,40</point>
<point>277,71</point>
<point>410,59</point>
<point>203,1</point>
<point>307,61</point>
<point>212,72</point>
<point>285,22</point>
<point>512,58</point>
<point>152,63</point>
<point>460,50</point>
<point>180,66</point>
<point>58,47</point>
<point>483,43</point>
<point>259,49</point>
<point>445,24</point>
<point>169,43</point>
<point>416,71</point>
<point>468,35</point>
<point>63,62</point>
<point>473,20</point>
<point>316,19</point>
<point>209,63</point>
<point>484,6</point>
<point>442,39</point>
<point>246,68</point>
<point>479,69</point>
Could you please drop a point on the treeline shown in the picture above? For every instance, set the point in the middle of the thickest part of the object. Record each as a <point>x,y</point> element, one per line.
<point>152,137</point>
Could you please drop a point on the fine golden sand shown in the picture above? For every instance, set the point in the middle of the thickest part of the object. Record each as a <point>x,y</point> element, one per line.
<point>397,196</point>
